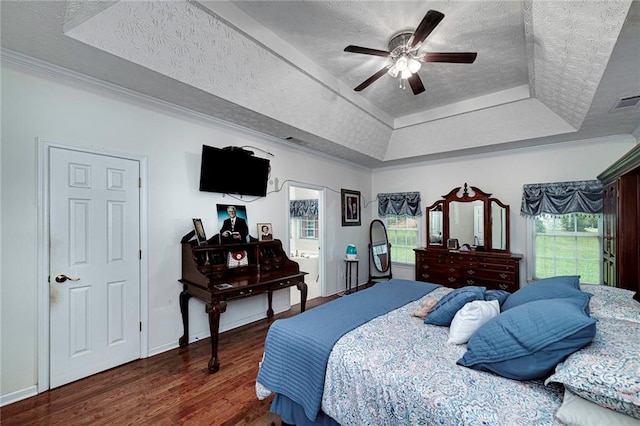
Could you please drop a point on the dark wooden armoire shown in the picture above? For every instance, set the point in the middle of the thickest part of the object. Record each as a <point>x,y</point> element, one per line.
<point>621,230</point>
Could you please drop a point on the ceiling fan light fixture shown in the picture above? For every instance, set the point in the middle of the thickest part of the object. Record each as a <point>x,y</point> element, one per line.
<point>405,74</point>
<point>414,65</point>
<point>393,71</point>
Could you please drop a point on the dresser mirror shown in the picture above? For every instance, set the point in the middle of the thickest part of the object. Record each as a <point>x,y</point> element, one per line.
<point>468,218</point>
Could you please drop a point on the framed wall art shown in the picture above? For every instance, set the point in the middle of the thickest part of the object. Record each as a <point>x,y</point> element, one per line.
<point>350,202</point>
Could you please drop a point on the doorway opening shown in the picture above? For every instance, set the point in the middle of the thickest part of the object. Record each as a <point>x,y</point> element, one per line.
<point>306,237</point>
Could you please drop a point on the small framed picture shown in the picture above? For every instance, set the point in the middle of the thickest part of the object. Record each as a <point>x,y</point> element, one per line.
<point>200,235</point>
<point>350,207</point>
<point>452,244</point>
<point>264,232</point>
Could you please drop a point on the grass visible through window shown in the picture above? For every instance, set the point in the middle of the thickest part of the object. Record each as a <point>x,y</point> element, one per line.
<point>568,245</point>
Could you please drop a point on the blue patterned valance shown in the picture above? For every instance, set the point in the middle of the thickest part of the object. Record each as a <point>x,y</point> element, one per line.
<point>399,203</point>
<point>562,198</point>
<point>303,208</point>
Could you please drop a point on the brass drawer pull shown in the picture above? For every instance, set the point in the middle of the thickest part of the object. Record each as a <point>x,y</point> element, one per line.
<point>471,282</point>
<point>451,279</point>
<point>470,271</point>
<point>503,276</point>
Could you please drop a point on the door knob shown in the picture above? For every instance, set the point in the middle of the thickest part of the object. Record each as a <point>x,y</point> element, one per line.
<point>62,278</point>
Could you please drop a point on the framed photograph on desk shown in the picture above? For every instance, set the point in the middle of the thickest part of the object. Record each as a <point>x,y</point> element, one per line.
<point>264,232</point>
<point>350,202</point>
<point>200,235</point>
<point>232,220</point>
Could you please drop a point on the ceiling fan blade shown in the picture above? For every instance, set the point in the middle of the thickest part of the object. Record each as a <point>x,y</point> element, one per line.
<point>371,79</point>
<point>416,84</point>
<point>454,57</point>
<point>429,22</point>
<point>366,51</point>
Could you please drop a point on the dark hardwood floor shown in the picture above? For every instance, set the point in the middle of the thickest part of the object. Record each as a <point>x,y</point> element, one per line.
<point>172,388</point>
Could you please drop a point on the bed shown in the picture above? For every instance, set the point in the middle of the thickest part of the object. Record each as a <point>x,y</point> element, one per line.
<point>385,366</point>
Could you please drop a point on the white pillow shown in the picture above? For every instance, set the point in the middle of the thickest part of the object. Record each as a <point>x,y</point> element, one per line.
<point>576,411</point>
<point>469,318</point>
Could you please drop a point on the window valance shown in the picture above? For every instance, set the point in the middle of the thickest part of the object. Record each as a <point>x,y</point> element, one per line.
<point>562,198</point>
<point>399,203</point>
<point>303,208</point>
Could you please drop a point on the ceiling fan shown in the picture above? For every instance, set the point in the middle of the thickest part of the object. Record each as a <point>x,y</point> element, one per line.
<point>405,58</point>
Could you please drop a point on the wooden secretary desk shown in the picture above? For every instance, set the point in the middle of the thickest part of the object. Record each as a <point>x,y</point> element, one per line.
<point>216,274</point>
<point>468,243</point>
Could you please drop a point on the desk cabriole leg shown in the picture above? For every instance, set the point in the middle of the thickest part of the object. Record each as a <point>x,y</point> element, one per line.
<point>184,310</point>
<point>270,300</point>
<point>302,286</point>
<point>214,312</point>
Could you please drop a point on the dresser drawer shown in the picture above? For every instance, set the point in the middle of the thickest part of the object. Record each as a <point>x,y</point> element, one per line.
<point>457,269</point>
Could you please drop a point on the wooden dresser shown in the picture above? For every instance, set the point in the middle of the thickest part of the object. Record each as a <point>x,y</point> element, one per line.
<point>621,227</point>
<point>468,242</point>
<point>461,268</point>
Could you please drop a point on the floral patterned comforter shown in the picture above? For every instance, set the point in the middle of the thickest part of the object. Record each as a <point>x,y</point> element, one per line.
<point>396,370</point>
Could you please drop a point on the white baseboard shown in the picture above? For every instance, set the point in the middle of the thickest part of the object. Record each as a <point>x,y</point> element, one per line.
<point>18,395</point>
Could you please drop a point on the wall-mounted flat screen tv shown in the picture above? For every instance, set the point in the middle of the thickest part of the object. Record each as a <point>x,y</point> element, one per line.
<point>233,170</point>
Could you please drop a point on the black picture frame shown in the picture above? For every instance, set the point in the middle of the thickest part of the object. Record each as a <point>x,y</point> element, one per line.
<point>201,236</point>
<point>351,208</point>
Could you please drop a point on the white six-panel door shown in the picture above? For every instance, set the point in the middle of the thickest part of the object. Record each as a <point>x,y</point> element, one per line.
<point>94,227</point>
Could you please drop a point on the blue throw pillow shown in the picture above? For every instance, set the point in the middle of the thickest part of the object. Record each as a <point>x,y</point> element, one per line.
<point>548,288</point>
<point>494,294</point>
<point>444,311</point>
<point>528,341</point>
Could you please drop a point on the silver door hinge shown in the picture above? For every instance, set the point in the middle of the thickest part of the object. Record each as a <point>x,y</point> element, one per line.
<point>140,254</point>
<point>141,326</point>
<point>139,182</point>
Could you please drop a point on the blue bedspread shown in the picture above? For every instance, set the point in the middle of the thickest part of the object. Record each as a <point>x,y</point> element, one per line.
<point>297,349</point>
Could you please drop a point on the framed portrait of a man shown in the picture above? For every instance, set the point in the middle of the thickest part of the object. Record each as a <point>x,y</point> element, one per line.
<point>350,203</point>
<point>232,220</point>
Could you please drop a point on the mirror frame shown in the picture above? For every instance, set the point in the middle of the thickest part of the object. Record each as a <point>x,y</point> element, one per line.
<point>461,194</point>
<point>387,273</point>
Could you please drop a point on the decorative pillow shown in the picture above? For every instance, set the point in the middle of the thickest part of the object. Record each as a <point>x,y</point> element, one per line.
<point>528,341</point>
<point>576,411</point>
<point>548,288</point>
<point>612,302</point>
<point>499,295</point>
<point>607,371</point>
<point>449,304</point>
<point>469,318</point>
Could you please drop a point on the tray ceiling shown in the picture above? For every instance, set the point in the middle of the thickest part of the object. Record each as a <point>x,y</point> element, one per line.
<point>546,71</point>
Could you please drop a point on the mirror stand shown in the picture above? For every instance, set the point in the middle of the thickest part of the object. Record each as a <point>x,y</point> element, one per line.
<point>379,252</point>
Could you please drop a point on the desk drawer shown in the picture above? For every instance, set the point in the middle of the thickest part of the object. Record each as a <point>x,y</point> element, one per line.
<point>241,293</point>
<point>284,283</point>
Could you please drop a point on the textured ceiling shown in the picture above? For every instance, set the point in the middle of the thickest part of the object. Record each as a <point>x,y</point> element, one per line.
<point>547,71</point>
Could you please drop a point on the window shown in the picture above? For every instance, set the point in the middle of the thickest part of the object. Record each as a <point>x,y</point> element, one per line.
<point>566,223</point>
<point>402,231</point>
<point>568,244</point>
<point>401,212</point>
<point>308,227</point>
